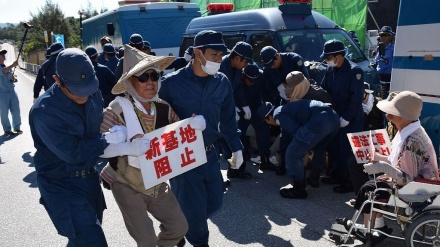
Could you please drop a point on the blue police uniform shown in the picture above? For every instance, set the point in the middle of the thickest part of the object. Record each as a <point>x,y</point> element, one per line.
<point>40,83</point>
<point>234,76</point>
<point>385,62</point>
<point>8,102</point>
<point>346,87</point>
<point>253,95</point>
<point>311,124</point>
<point>106,80</point>
<point>48,70</point>
<point>68,142</point>
<point>200,190</point>
<point>119,69</point>
<point>112,63</point>
<point>101,58</point>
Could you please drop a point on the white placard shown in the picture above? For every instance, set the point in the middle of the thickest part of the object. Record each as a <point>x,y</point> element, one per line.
<point>363,143</point>
<point>174,149</point>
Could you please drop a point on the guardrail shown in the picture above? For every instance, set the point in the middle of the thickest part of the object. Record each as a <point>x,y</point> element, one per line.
<point>31,68</point>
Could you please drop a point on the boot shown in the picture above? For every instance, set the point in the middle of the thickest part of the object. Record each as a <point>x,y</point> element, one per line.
<point>297,192</point>
<point>313,179</point>
<point>266,164</point>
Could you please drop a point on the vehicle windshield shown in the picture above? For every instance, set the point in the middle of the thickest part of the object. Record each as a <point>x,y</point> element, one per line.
<point>309,43</point>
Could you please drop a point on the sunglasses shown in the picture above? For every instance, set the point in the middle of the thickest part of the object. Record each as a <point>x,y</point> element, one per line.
<point>383,35</point>
<point>154,76</point>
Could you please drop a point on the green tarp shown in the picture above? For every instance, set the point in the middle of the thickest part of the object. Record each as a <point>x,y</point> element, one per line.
<point>349,14</point>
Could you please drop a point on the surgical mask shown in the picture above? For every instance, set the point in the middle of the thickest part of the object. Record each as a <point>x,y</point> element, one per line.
<point>211,68</point>
<point>187,57</point>
<point>332,63</point>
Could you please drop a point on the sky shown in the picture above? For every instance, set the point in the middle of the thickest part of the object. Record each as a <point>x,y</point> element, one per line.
<point>14,11</point>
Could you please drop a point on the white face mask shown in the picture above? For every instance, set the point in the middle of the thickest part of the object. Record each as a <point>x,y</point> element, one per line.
<point>332,63</point>
<point>187,57</point>
<point>211,68</point>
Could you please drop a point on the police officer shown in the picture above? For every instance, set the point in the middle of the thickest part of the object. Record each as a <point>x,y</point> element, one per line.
<point>181,62</point>
<point>253,88</point>
<point>232,66</point>
<point>343,80</point>
<point>147,48</point>
<point>137,42</point>
<point>104,40</point>
<point>39,80</point>
<point>64,123</point>
<point>110,57</point>
<point>311,124</point>
<point>200,89</point>
<point>48,67</point>
<point>277,66</point>
<point>384,57</point>
<point>105,76</point>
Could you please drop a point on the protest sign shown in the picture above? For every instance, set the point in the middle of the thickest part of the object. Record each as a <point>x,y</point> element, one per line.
<point>365,143</point>
<point>174,149</point>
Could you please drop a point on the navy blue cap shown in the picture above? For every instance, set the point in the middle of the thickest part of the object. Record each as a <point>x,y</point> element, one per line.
<point>55,48</point>
<point>267,55</point>
<point>108,48</point>
<point>245,50</point>
<point>136,39</point>
<point>265,109</point>
<point>189,50</point>
<point>251,71</point>
<point>332,47</point>
<point>147,45</point>
<point>121,52</point>
<point>75,69</point>
<point>387,30</point>
<point>210,39</point>
<point>91,51</point>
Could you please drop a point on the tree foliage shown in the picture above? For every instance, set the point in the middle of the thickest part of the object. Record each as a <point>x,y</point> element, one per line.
<point>48,18</point>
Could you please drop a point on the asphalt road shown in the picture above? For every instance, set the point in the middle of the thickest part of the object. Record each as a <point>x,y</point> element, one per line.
<point>253,213</point>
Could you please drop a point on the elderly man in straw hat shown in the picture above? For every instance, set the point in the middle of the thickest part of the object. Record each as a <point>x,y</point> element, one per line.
<point>141,111</point>
<point>200,89</point>
<point>412,156</point>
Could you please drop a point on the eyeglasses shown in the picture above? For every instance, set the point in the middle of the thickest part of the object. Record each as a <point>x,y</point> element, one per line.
<point>154,76</point>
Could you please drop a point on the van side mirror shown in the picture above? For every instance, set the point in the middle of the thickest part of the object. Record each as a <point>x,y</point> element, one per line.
<point>110,29</point>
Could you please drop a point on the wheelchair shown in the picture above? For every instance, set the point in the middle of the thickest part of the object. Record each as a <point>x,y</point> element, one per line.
<point>415,208</point>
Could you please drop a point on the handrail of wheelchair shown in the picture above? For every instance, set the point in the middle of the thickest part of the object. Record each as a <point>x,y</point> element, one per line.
<point>427,181</point>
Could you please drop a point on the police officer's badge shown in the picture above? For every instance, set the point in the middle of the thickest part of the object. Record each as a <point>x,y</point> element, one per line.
<point>300,63</point>
<point>358,76</point>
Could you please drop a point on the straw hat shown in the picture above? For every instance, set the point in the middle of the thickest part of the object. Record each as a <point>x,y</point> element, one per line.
<point>406,104</point>
<point>136,62</point>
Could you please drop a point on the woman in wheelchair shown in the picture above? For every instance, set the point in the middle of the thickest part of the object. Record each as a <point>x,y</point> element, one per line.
<point>412,156</point>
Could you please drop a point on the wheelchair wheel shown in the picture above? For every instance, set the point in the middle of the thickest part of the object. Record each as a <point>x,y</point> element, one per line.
<point>424,231</point>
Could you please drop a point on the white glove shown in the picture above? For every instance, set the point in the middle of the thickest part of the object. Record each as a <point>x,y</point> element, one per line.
<point>343,122</point>
<point>117,134</point>
<point>136,148</point>
<point>237,117</point>
<point>198,122</point>
<point>247,112</point>
<point>237,159</point>
<point>282,91</point>
<point>380,166</point>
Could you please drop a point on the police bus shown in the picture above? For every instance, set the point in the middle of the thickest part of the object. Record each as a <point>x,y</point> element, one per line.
<point>293,26</point>
<point>161,23</point>
<point>416,63</point>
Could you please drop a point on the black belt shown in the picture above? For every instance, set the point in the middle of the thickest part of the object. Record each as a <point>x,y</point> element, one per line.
<point>75,174</point>
<point>209,148</point>
<point>82,173</point>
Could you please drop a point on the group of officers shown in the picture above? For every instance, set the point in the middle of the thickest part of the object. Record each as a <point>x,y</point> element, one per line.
<point>229,90</point>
